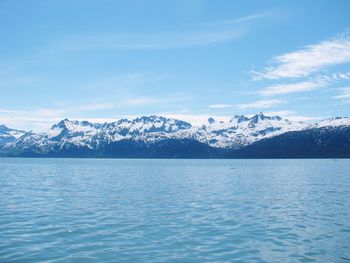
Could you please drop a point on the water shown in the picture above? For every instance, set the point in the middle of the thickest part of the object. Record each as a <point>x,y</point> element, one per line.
<point>91,210</point>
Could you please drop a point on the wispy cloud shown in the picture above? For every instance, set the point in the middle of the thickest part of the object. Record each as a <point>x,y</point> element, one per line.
<point>308,60</point>
<point>261,104</point>
<point>147,42</point>
<point>95,107</point>
<point>293,87</point>
<point>216,32</point>
<point>38,119</point>
<point>293,116</point>
<point>344,95</point>
<point>340,76</point>
<point>221,106</point>
<point>139,101</point>
<point>248,18</point>
<point>195,119</point>
<point>42,118</point>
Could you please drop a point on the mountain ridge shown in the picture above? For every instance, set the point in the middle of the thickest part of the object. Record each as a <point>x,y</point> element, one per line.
<point>156,136</point>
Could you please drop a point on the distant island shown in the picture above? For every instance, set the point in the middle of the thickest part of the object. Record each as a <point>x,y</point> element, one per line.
<point>259,136</point>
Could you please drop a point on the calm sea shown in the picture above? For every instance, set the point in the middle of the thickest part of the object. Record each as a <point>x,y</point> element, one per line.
<point>97,210</point>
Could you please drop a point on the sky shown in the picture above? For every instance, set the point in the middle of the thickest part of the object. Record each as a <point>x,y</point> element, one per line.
<point>101,60</point>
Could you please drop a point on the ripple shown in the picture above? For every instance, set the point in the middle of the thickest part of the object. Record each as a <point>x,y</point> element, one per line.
<point>57,210</point>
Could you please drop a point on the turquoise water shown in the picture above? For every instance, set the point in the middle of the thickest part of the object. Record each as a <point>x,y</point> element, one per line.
<point>91,210</point>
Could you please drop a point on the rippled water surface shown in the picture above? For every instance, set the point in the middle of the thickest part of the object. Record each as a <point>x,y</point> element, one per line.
<point>94,210</point>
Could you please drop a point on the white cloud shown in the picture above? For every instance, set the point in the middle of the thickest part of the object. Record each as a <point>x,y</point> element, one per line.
<point>293,116</point>
<point>220,106</point>
<point>260,104</point>
<point>95,107</point>
<point>36,120</point>
<point>139,101</point>
<point>308,60</point>
<point>293,87</point>
<point>248,18</point>
<point>42,118</point>
<point>200,119</point>
<point>341,76</point>
<point>195,119</point>
<point>344,96</point>
<point>146,42</point>
<point>202,34</point>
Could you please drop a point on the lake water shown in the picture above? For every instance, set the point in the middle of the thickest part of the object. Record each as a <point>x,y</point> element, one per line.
<point>97,210</point>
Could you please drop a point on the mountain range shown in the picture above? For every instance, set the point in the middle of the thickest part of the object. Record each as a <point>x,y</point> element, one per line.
<point>258,136</point>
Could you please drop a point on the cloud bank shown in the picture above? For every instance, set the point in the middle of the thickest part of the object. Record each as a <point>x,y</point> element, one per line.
<point>293,87</point>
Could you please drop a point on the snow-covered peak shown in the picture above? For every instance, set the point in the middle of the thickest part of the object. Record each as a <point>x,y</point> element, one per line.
<point>8,135</point>
<point>3,129</point>
<point>239,131</point>
<point>256,118</point>
<point>155,123</point>
<point>72,124</point>
<point>13,132</point>
<point>71,127</point>
<point>211,120</point>
<point>239,119</point>
<point>242,130</point>
<point>261,117</point>
<point>333,122</point>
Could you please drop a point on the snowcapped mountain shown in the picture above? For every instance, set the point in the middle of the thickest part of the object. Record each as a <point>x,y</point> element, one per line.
<point>241,130</point>
<point>333,122</point>
<point>84,134</point>
<point>148,133</point>
<point>8,135</point>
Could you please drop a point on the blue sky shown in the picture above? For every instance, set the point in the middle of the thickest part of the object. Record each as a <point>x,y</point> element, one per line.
<point>101,60</point>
